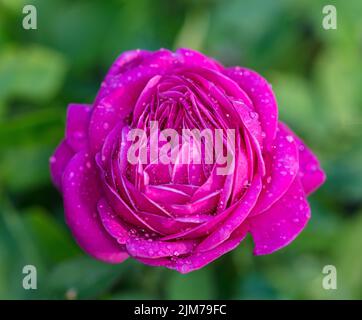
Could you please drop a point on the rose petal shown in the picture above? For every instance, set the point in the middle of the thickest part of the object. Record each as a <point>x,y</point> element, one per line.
<point>58,161</point>
<point>153,249</point>
<point>111,222</point>
<point>282,168</point>
<point>120,92</point>
<point>234,220</point>
<point>166,194</point>
<point>194,58</point>
<point>81,192</point>
<point>263,99</point>
<point>280,224</point>
<point>200,259</point>
<point>76,131</point>
<point>310,172</point>
<point>127,60</point>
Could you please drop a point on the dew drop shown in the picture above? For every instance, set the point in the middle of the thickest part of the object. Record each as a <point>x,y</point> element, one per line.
<point>253,115</point>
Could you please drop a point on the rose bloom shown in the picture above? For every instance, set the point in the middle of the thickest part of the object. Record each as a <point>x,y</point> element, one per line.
<point>181,216</point>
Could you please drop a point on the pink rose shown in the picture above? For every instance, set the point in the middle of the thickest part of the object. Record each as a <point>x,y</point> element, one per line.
<point>181,215</point>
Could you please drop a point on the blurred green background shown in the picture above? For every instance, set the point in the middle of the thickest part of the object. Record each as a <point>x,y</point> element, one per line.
<point>316,75</point>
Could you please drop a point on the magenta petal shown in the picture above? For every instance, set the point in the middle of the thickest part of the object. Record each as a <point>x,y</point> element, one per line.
<point>119,93</point>
<point>282,168</point>
<point>153,249</point>
<point>200,259</point>
<point>196,59</point>
<point>81,192</point>
<point>234,220</point>
<point>197,260</point>
<point>58,161</point>
<point>259,91</point>
<point>111,222</point>
<point>105,116</point>
<point>201,206</point>
<point>310,172</point>
<point>127,60</point>
<point>124,64</point>
<point>166,194</point>
<point>280,225</point>
<point>76,131</point>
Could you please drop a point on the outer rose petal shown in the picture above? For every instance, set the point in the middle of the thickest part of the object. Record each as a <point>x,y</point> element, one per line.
<point>194,58</point>
<point>76,131</point>
<point>58,161</point>
<point>310,172</point>
<point>153,249</point>
<point>111,222</point>
<point>279,225</point>
<point>282,167</point>
<point>81,193</point>
<point>263,99</point>
<point>185,265</point>
<point>127,60</point>
<point>198,260</point>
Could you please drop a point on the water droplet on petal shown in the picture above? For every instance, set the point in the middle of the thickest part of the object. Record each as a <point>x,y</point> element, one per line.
<point>253,115</point>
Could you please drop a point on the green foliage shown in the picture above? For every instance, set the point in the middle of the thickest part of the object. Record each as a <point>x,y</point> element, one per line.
<point>197,285</point>
<point>317,78</point>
